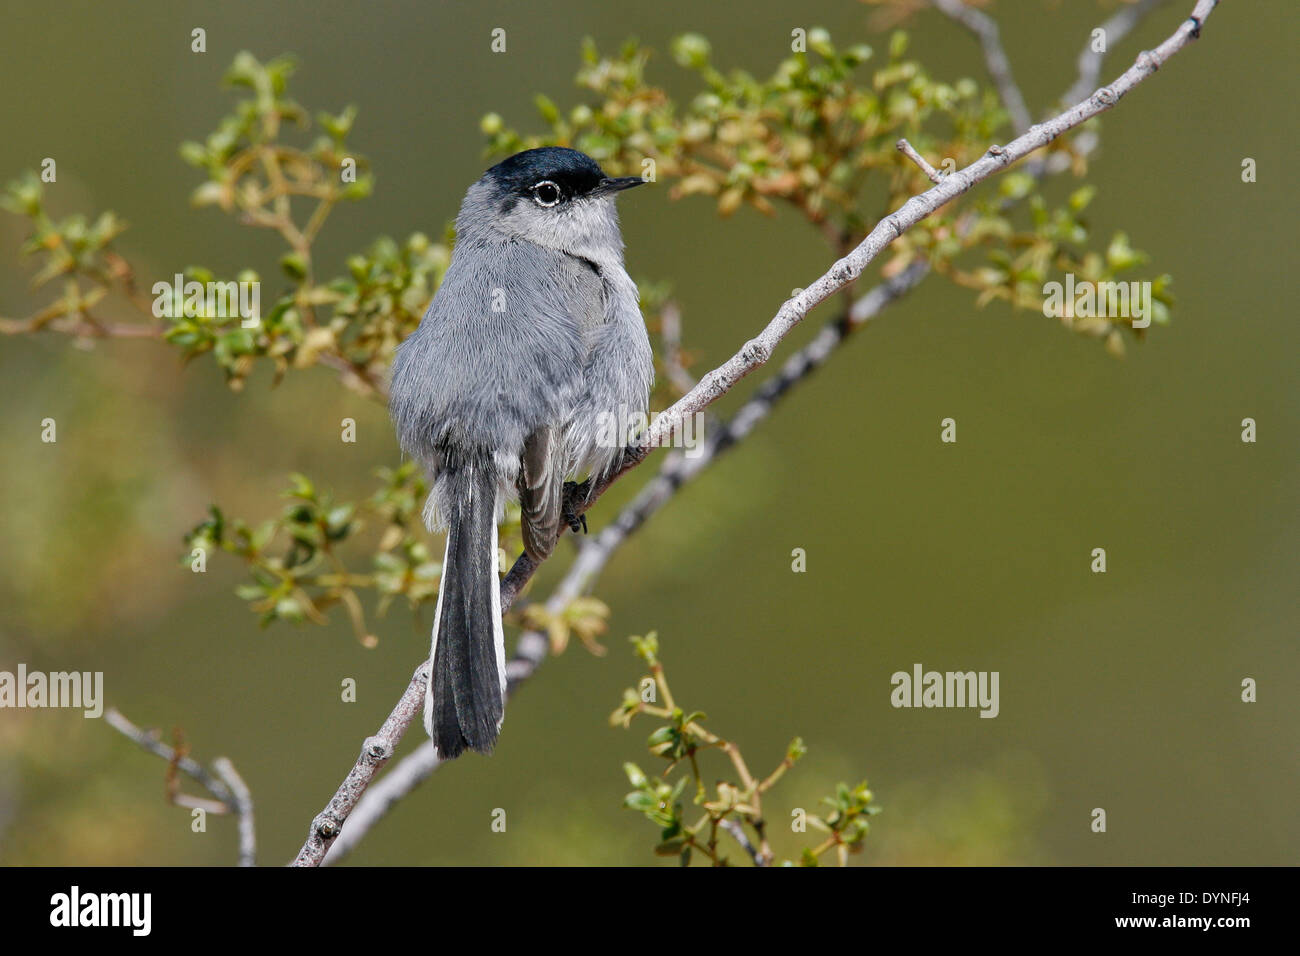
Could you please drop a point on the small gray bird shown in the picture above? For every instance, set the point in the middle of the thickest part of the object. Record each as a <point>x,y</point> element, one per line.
<point>530,367</point>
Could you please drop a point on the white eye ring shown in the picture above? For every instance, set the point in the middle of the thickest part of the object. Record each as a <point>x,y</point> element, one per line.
<point>553,187</point>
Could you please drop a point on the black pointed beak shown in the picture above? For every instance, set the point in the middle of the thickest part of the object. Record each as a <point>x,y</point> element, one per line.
<point>618,184</point>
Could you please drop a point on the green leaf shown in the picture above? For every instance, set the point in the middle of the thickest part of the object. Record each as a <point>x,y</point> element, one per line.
<point>550,112</point>
<point>640,801</point>
<point>691,51</point>
<point>1081,197</point>
<point>1120,255</point>
<point>294,265</point>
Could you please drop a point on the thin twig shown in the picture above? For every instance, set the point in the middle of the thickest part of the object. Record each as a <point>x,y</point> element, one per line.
<point>243,800</point>
<point>1090,64</point>
<point>223,782</point>
<point>738,834</point>
<point>187,765</point>
<point>985,29</point>
<point>670,330</point>
<point>1113,30</point>
<point>910,152</point>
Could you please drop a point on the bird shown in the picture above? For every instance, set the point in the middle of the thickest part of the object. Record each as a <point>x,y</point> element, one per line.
<point>530,367</point>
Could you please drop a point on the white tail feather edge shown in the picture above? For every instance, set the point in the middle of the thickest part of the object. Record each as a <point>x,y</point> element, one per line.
<point>498,631</point>
<point>433,648</point>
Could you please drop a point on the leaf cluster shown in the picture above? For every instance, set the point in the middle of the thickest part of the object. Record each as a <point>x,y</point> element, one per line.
<point>729,806</point>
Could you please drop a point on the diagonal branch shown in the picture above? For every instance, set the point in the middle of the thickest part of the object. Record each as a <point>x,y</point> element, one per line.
<point>377,750</point>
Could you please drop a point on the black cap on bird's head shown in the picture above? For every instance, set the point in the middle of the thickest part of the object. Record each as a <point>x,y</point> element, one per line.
<point>551,175</point>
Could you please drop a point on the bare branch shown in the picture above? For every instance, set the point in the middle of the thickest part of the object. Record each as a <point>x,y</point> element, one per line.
<point>81,327</point>
<point>985,29</point>
<point>375,752</point>
<point>738,834</point>
<point>1090,63</point>
<point>1114,30</point>
<point>150,742</point>
<point>670,318</point>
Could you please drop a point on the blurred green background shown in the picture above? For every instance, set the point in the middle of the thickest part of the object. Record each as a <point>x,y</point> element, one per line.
<point>1118,691</point>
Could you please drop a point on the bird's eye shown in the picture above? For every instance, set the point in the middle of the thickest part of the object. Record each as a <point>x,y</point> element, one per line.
<point>546,193</point>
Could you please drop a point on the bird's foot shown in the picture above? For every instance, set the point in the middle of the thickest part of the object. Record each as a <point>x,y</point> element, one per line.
<point>575,494</point>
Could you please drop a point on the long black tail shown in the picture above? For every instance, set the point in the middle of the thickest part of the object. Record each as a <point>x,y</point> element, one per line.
<point>465,702</point>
